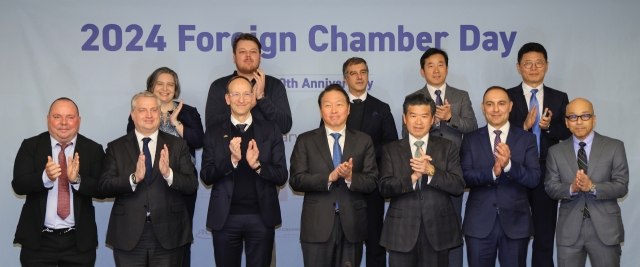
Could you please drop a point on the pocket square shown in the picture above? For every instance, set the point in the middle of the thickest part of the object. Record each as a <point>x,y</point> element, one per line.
<point>375,113</point>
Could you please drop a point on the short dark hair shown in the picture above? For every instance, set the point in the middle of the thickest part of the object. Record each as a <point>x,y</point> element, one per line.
<point>333,87</point>
<point>353,61</point>
<point>64,99</point>
<point>532,47</point>
<point>238,77</point>
<point>418,99</point>
<point>246,37</point>
<point>153,78</point>
<point>432,51</point>
<point>495,87</point>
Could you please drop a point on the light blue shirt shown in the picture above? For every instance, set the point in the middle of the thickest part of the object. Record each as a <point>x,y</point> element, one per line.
<point>51,218</point>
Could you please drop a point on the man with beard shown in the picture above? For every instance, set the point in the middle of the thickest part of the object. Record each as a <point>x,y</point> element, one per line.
<point>270,100</point>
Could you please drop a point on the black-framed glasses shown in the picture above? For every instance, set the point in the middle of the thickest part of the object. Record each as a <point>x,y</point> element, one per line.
<point>529,64</point>
<point>583,117</point>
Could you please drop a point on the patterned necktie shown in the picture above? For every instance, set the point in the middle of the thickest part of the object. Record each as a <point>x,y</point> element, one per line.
<point>438,98</point>
<point>64,196</point>
<point>536,126</point>
<point>417,154</point>
<point>582,165</point>
<point>357,101</point>
<point>496,141</point>
<point>147,159</point>
<point>241,127</point>
<point>337,156</point>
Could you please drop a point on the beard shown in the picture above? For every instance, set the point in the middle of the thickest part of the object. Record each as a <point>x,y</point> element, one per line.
<point>247,68</point>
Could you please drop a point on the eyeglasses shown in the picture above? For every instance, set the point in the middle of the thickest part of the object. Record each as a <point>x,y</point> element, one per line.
<point>583,117</point>
<point>237,95</point>
<point>529,64</point>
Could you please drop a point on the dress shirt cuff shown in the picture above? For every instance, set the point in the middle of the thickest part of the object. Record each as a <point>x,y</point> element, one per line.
<point>46,181</point>
<point>429,179</point>
<point>348,184</point>
<point>133,186</point>
<point>594,192</point>
<point>75,186</point>
<point>170,178</point>
<point>235,165</point>
<point>414,185</point>
<point>508,168</point>
<point>329,186</point>
<point>571,193</point>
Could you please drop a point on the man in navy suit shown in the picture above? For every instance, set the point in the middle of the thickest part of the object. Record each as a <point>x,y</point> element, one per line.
<point>539,109</point>
<point>499,163</point>
<point>373,117</point>
<point>243,159</point>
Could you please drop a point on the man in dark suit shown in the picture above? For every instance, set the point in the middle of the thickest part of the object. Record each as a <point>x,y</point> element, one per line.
<point>270,100</point>
<point>454,116</point>
<point>373,117</point>
<point>57,226</point>
<point>419,174</point>
<point>334,166</point>
<point>243,159</point>
<point>148,172</point>
<point>531,101</point>
<point>499,163</point>
<point>587,173</point>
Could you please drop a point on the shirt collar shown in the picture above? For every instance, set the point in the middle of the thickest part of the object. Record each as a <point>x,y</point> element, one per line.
<point>504,129</point>
<point>341,132</point>
<point>153,136</point>
<point>588,140</point>
<point>248,121</point>
<point>526,89</point>
<point>413,139</point>
<point>363,97</point>
<point>432,90</point>
<point>55,142</point>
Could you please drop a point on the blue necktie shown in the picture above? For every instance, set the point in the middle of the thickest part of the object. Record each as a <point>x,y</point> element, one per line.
<point>438,99</point>
<point>536,126</point>
<point>337,156</point>
<point>147,159</point>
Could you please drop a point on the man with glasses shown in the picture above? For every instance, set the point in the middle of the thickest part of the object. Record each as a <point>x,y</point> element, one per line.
<point>538,109</point>
<point>243,160</point>
<point>587,173</point>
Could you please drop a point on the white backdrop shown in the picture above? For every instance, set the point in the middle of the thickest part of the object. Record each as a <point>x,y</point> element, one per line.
<point>81,49</point>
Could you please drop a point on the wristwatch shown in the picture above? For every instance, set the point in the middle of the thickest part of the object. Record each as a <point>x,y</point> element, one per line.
<point>77,180</point>
<point>432,171</point>
<point>592,188</point>
<point>177,124</point>
<point>259,166</point>
<point>133,178</point>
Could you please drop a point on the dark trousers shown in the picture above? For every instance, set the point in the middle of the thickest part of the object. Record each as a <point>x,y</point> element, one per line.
<point>337,251</point>
<point>148,252</point>
<point>456,255</point>
<point>57,249</point>
<point>248,230</point>
<point>190,201</point>
<point>481,252</point>
<point>544,211</point>
<point>376,254</point>
<point>422,254</point>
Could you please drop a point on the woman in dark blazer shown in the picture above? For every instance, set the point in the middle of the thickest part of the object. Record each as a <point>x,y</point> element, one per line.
<point>177,119</point>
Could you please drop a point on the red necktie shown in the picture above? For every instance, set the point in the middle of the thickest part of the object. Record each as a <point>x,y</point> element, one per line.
<point>64,208</point>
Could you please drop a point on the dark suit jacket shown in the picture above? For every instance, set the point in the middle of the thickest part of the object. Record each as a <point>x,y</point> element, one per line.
<point>168,211</point>
<point>274,106</point>
<point>433,203</point>
<point>553,99</point>
<point>27,180</point>
<point>217,170</point>
<point>311,163</point>
<point>193,132</point>
<point>463,119</point>
<point>610,173</point>
<point>378,123</point>
<point>508,193</point>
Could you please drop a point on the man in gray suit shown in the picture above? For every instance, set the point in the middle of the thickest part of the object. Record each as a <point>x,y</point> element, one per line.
<point>587,173</point>
<point>454,115</point>
<point>420,187</point>
<point>334,166</point>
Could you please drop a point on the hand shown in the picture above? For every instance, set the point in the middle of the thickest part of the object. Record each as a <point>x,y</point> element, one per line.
<point>174,115</point>
<point>164,162</point>
<point>545,121</point>
<point>73,167</point>
<point>252,154</point>
<point>234,146</point>
<point>584,181</point>
<point>52,169</point>
<point>503,155</point>
<point>258,88</point>
<point>345,170</point>
<point>531,118</point>
<point>141,169</point>
<point>443,113</point>
<point>420,166</point>
<point>575,187</point>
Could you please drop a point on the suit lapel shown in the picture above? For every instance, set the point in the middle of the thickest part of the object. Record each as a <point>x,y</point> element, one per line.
<point>350,143</point>
<point>79,148</point>
<point>404,150</point>
<point>44,150</point>
<point>449,95</point>
<point>320,139</point>
<point>368,113</point>
<point>257,127</point>
<point>570,154</point>
<point>156,161</point>
<point>133,149</point>
<point>597,146</point>
<point>547,99</point>
<point>486,146</point>
<point>520,102</point>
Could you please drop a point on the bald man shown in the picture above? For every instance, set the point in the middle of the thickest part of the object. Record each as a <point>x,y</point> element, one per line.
<point>587,173</point>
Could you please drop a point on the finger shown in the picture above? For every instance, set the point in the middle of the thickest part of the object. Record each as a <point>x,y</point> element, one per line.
<point>446,102</point>
<point>180,105</point>
<point>350,162</point>
<point>422,154</point>
<point>49,159</point>
<point>69,161</point>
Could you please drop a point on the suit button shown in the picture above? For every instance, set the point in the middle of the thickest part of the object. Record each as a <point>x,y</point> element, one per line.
<point>494,204</point>
<point>229,197</point>
<point>421,197</point>
<point>498,186</point>
<point>582,210</point>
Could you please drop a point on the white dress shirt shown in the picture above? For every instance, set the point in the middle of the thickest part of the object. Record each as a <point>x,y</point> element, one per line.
<point>414,148</point>
<point>526,89</point>
<point>331,141</point>
<point>363,97</point>
<point>503,139</point>
<point>432,93</point>
<point>152,150</point>
<point>51,218</point>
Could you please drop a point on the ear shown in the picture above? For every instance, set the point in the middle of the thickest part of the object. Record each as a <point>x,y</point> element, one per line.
<point>510,106</point>
<point>404,119</point>
<point>518,68</point>
<point>422,72</point>
<point>226,98</point>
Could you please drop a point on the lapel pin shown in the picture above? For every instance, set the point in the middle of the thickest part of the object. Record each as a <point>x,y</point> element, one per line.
<point>225,136</point>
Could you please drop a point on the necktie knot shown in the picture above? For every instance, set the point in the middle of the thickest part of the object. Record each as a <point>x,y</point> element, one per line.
<point>419,145</point>
<point>497,132</point>
<point>438,98</point>
<point>438,92</point>
<point>146,140</point>
<point>65,145</point>
<point>241,126</point>
<point>534,91</point>
<point>357,101</point>
<point>336,136</point>
<point>582,144</point>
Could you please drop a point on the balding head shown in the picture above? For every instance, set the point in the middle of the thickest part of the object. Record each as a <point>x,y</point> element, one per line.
<point>580,110</point>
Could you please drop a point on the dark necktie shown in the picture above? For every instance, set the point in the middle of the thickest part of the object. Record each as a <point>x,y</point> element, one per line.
<point>417,154</point>
<point>64,196</point>
<point>147,159</point>
<point>582,165</point>
<point>241,127</point>
<point>357,101</point>
<point>438,98</point>
<point>536,126</point>
<point>337,156</point>
<point>496,141</point>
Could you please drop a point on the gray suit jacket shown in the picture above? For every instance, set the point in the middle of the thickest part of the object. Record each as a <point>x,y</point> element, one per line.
<point>432,203</point>
<point>310,165</point>
<point>608,169</point>
<point>463,119</point>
